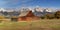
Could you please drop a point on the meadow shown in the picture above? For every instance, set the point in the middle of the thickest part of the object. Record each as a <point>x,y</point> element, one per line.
<point>42,24</point>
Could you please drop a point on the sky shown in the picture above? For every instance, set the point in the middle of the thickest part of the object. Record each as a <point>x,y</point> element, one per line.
<point>29,3</point>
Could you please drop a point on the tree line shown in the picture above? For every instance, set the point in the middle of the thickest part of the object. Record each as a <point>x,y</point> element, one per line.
<point>55,15</point>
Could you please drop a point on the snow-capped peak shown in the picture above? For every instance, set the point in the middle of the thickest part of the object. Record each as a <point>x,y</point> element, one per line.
<point>2,9</point>
<point>48,10</point>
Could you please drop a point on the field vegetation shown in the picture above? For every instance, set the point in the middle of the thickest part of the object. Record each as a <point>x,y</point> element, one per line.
<point>42,24</point>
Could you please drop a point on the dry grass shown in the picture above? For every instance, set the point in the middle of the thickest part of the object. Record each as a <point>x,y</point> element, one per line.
<point>44,24</point>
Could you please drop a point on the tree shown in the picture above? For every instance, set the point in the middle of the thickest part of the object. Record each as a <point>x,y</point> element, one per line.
<point>57,14</point>
<point>49,16</point>
<point>2,17</point>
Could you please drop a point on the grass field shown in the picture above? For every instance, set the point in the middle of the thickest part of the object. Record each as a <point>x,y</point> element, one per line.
<point>44,24</point>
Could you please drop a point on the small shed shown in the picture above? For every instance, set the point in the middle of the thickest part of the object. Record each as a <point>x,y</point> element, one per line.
<point>27,16</point>
<point>14,19</point>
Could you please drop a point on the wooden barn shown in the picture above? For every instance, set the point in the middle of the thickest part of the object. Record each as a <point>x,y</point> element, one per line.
<point>27,16</point>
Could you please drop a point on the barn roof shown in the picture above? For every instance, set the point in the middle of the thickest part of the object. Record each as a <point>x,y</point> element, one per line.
<point>24,13</point>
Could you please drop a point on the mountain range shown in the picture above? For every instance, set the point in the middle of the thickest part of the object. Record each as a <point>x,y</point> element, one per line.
<point>15,12</point>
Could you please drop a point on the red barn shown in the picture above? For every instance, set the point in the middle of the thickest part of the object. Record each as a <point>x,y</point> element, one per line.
<point>27,16</point>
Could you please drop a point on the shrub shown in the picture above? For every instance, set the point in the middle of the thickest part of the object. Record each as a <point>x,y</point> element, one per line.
<point>42,17</point>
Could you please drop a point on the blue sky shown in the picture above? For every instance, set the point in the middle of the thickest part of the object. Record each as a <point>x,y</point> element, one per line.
<point>29,3</point>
